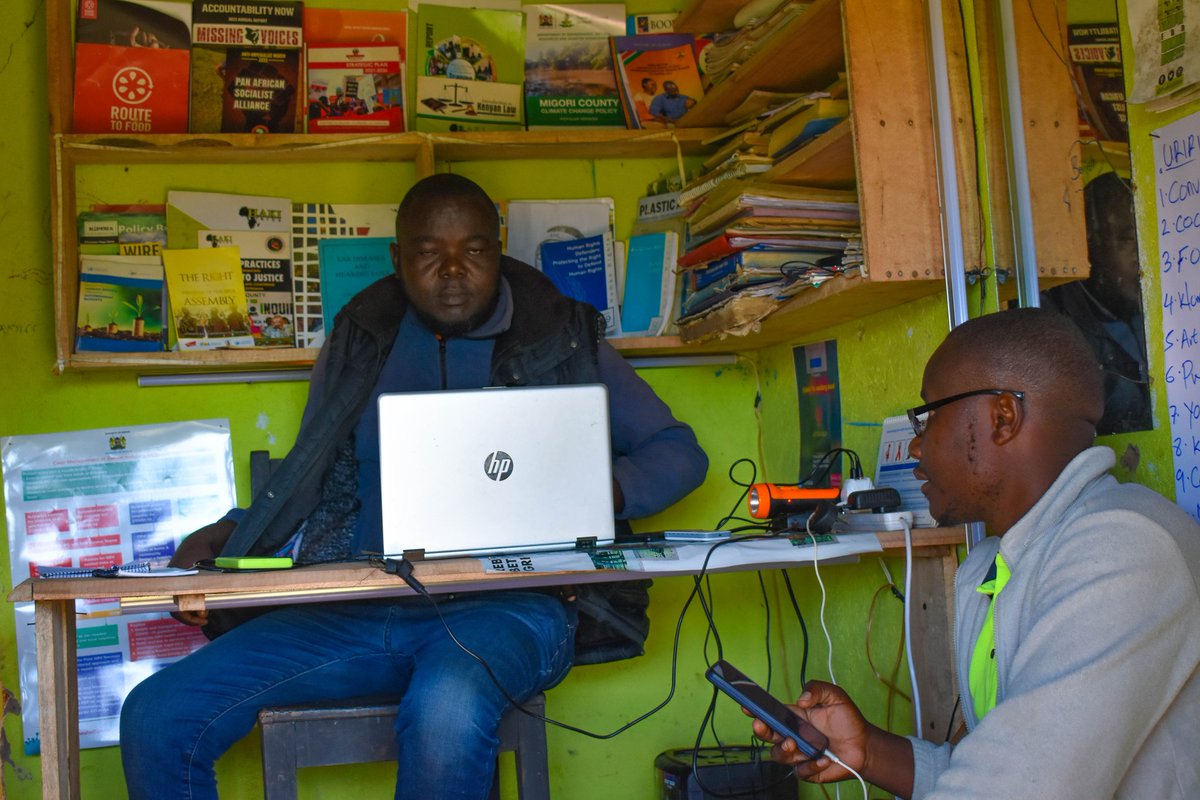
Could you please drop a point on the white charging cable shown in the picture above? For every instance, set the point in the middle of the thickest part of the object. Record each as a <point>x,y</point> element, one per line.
<point>908,641</point>
<point>821,583</point>
<point>851,770</point>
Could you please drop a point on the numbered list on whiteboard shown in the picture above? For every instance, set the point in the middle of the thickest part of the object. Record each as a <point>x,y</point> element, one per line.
<point>1177,175</point>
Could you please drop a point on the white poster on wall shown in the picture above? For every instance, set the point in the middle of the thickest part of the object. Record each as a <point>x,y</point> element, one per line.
<point>92,499</point>
<point>1177,192</point>
<point>1166,54</point>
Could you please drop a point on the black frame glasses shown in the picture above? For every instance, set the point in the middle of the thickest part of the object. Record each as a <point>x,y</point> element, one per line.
<point>918,416</point>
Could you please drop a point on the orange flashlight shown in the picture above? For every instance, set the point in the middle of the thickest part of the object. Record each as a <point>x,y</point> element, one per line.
<point>765,500</point>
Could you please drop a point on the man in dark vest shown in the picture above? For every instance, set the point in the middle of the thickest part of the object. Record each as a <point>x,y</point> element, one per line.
<point>477,319</point>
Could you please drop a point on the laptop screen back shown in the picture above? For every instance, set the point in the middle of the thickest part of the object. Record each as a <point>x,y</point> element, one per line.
<point>488,471</point>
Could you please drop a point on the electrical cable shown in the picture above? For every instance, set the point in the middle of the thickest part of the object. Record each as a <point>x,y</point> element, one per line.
<point>803,627</point>
<point>851,770</point>
<point>912,670</point>
<point>821,583</point>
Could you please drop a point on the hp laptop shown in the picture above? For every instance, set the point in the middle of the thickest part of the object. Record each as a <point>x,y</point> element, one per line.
<point>492,471</point>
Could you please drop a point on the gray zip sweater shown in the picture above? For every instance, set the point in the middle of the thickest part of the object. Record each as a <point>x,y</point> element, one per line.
<point>1097,650</point>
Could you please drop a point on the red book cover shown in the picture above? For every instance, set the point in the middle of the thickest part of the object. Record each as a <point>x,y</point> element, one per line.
<point>131,66</point>
<point>355,88</point>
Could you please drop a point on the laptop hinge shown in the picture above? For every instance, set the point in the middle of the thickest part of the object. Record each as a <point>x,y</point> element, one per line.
<point>585,543</point>
<point>415,555</point>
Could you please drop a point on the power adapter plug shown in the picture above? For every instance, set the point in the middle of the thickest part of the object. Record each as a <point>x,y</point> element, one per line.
<point>852,485</point>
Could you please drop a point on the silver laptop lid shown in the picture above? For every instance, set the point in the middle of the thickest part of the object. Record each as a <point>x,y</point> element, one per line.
<point>484,471</point>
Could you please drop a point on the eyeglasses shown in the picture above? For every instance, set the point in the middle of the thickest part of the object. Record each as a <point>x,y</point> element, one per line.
<point>919,417</point>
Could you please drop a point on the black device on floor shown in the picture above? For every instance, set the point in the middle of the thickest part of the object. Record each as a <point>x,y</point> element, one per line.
<point>781,719</point>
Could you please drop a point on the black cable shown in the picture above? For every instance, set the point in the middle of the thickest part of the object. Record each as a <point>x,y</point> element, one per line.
<point>803,628</point>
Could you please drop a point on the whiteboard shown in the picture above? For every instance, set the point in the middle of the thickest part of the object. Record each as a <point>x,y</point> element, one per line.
<point>1177,193</point>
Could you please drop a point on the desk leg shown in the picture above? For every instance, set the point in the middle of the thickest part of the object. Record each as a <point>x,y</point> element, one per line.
<point>932,642</point>
<point>58,698</point>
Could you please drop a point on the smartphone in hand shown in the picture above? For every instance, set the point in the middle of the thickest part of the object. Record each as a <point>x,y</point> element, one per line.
<point>775,714</point>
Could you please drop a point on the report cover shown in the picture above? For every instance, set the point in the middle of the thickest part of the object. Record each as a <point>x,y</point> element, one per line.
<point>569,78</point>
<point>127,233</point>
<point>585,269</point>
<point>120,304</point>
<point>472,67</point>
<point>131,66</point>
<point>355,88</point>
<point>207,298</point>
<point>649,283</point>
<point>260,228</point>
<point>245,66</point>
<point>329,26</point>
<point>348,266</point>
<point>657,78</point>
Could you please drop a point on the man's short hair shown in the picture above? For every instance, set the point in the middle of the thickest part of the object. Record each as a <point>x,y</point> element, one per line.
<point>1032,349</point>
<point>443,186</point>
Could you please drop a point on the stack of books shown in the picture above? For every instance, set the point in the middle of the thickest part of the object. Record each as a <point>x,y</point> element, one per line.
<point>753,245</point>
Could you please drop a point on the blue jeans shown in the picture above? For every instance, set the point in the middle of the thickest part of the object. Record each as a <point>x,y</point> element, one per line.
<point>176,723</point>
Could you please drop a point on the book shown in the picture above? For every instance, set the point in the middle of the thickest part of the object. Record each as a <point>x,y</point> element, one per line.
<point>585,269</point>
<point>245,66</point>
<point>640,24</point>
<point>127,233</point>
<point>569,79</point>
<point>527,224</point>
<point>120,304</point>
<point>131,66</point>
<point>657,78</point>
<point>1095,51</point>
<point>207,298</point>
<point>328,26</point>
<point>355,88</point>
<point>472,69</point>
<point>347,267</point>
<point>260,227</point>
<point>313,223</point>
<point>797,130</point>
<point>649,284</point>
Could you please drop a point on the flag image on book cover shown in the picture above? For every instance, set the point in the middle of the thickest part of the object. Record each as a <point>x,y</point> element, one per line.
<point>569,79</point>
<point>657,77</point>
<point>131,66</point>
<point>354,88</point>
<point>245,67</point>
<point>472,69</point>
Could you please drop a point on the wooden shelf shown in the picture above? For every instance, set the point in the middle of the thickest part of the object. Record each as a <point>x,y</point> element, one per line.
<point>826,162</point>
<point>708,16</point>
<point>208,360</point>
<point>819,308</point>
<point>805,54</point>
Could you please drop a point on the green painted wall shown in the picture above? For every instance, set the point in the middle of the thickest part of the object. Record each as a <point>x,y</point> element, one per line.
<point>880,361</point>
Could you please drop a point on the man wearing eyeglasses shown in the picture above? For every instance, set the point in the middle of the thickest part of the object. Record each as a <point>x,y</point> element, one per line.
<point>1077,622</point>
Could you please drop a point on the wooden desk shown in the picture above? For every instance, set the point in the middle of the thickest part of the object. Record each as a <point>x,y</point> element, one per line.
<point>934,564</point>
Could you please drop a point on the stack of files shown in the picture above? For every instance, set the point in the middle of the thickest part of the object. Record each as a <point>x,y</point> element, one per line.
<point>764,130</point>
<point>765,242</point>
<point>731,49</point>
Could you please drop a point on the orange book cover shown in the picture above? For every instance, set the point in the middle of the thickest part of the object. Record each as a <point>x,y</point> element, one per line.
<point>131,66</point>
<point>657,78</point>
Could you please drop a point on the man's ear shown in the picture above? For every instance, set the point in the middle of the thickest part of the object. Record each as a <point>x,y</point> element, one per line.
<point>1008,417</point>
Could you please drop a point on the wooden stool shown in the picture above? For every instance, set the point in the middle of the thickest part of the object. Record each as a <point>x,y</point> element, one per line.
<point>350,732</point>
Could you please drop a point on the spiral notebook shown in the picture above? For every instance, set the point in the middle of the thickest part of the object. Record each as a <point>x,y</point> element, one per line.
<point>134,569</point>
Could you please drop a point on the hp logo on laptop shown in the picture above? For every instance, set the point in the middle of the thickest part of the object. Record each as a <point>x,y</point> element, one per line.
<point>498,465</point>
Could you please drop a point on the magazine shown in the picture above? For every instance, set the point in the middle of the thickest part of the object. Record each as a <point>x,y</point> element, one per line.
<point>260,227</point>
<point>126,233</point>
<point>657,78</point>
<point>207,298</point>
<point>245,67</point>
<point>131,66</point>
<point>472,69</point>
<point>649,283</point>
<point>569,78</point>
<point>120,304</point>
<point>324,27</point>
